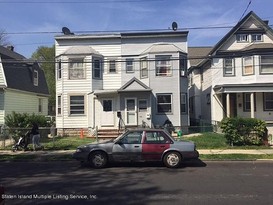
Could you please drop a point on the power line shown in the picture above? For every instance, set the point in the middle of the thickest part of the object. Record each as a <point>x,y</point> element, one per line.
<point>245,10</point>
<point>76,2</point>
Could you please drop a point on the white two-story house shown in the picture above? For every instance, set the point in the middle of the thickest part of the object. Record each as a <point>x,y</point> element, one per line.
<point>235,78</point>
<point>129,79</point>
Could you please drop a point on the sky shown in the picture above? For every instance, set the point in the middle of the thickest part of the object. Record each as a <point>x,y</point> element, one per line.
<point>29,24</point>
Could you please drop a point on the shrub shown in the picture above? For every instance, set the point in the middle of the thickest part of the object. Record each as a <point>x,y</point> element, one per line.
<point>243,131</point>
<point>19,122</point>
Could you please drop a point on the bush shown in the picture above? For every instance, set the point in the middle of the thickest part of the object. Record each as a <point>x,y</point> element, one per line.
<point>18,123</point>
<point>244,131</point>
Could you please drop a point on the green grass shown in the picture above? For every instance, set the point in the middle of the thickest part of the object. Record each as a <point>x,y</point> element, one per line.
<point>235,156</point>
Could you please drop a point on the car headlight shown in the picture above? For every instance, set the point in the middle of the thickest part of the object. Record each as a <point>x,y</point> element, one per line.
<point>79,150</point>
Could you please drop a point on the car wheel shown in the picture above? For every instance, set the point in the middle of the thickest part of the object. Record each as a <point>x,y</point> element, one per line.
<point>98,159</point>
<point>172,159</point>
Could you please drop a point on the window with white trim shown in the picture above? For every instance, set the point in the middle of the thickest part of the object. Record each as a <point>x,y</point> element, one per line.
<point>164,103</point>
<point>183,66</point>
<point>248,68</point>
<point>242,38</point>
<point>59,70</point>
<point>76,105</point>
<point>40,108</point>
<point>76,68</point>
<point>143,68</point>
<point>35,77</point>
<point>247,102</point>
<point>256,37</point>
<point>268,101</point>
<point>59,106</point>
<point>163,65</point>
<point>266,64</point>
<point>229,69</point>
<point>129,65</point>
<point>112,66</point>
<point>97,68</point>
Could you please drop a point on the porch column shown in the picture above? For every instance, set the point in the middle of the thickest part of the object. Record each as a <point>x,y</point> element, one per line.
<point>252,107</point>
<point>228,104</point>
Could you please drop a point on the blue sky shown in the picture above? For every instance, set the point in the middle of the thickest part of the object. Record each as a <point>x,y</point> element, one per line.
<point>42,16</point>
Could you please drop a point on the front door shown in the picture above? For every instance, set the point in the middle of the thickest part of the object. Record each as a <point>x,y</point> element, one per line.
<point>107,117</point>
<point>130,111</point>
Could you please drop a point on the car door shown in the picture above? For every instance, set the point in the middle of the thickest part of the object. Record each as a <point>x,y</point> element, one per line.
<point>128,148</point>
<point>154,143</point>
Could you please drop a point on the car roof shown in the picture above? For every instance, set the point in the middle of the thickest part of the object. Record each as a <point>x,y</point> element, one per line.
<point>145,129</point>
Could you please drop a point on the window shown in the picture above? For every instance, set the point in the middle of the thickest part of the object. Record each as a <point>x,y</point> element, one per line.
<point>164,103</point>
<point>155,137</point>
<point>59,70</point>
<point>183,66</point>
<point>112,66</point>
<point>129,65</point>
<point>35,77</point>
<point>97,68</point>
<point>268,101</point>
<point>142,105</point>
<point>107,105</point>
<point>163,65</point>
<point>247,102</point>
<point>266,63</point>
<point>59,112</point>
<point>40,109</point>
<point>242,37</point>
<point>143,68</point>
<point>256,37</point>
<point>248,66</point>
<point>133,137</point>
<point>77,105</point>
<point>183,103</point>
<point>229,67</point>
<point>76,69</point>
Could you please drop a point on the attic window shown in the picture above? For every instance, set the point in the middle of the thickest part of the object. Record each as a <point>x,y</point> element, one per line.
<point>242,37</point>
<point>35,77</point>
<point>256,37</point>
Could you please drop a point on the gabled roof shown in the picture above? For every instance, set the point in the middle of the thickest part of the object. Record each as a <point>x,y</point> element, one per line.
<point>162,48</point>
<point>6,53</point>
<point>84,50</point>
<point>197,54</point>
<point>134,85</point>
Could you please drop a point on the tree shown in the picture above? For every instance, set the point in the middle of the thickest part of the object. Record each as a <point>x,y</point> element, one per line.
<point>3,38</point>
<point>46,57</point>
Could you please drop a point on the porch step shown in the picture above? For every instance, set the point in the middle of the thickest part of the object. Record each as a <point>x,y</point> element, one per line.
<point>108,133</point>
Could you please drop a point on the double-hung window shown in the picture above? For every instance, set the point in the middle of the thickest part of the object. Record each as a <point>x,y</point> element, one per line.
<point>77,105</point>
<point>129,65</point>
<point>229,67</point>
<point>59,111</point>
<point>97,68</point>
<point>163,65</point>
<point>256,37</point>
<point>76,68</point>
<point>112,66</point>
<point>143,68</point>
<point>59,69</point>
<point>266,63</point>
<point>268,101</point>
<point>164,103</point>
<point>248,68</point>
<point>247,102</point>
<point>242,38</point>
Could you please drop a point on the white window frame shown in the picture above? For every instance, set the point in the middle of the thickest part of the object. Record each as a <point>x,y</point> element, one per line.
<point>242,38</point>
<point>266,64</point>
<point>35,78</point>
<point>268,98</point>
<point>248,65</point>
<point>76,68</point>
<point>97,66</point>
<point>40,107</point>
<point>59,70</point>
<point>256,37</point>
<point>73,110</point>
<point>129,63</point>
<point>112,66</point>
<point>164,103</point>
<point>247,102</point>
<point>59,105</point>
<point>163,65</point>
<point>144,67</point>
<point>183,66</point>
<point>228,67</point>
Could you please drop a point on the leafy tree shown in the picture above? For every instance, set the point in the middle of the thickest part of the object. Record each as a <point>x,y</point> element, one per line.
<point>46,57</point>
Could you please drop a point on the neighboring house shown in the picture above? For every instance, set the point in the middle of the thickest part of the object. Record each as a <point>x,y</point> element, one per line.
<point>138,77</point>
<point>236,77</point>
<point>23,87</point>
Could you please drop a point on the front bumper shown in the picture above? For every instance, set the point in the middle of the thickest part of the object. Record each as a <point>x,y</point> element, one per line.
<point>190,154</point>
<point>80,156</point>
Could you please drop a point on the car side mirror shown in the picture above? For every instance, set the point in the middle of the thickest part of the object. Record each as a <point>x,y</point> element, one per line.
<point>119,142</point>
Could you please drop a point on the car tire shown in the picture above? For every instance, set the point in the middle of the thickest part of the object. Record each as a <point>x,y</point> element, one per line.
<point>98,159</point>
<point>172,159</point>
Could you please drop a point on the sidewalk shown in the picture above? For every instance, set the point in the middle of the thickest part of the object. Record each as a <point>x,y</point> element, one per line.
<point>201,151</point>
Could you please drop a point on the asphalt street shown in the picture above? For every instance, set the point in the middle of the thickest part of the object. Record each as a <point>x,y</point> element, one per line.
<point>196,182</point>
